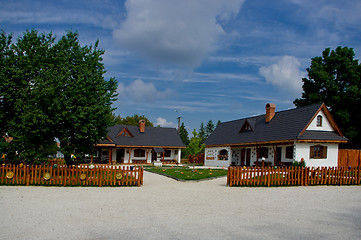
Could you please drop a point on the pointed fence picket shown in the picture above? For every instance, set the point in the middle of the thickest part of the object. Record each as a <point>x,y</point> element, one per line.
<point>292,176</point>
<point>62,175</point>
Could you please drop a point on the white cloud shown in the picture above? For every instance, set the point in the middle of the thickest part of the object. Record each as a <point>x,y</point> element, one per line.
<point>284,74</point>
<point>173,31</point>
<point>164,123</point>
<point>141,91</point>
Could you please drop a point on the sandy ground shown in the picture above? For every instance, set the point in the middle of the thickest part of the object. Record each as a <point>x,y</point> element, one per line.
<point>166,209</point>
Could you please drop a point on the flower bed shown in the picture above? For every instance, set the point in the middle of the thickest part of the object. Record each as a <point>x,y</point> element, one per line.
<point>186,173</point>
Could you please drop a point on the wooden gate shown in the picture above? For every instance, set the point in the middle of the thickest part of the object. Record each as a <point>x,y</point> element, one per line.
<point>349,158</point>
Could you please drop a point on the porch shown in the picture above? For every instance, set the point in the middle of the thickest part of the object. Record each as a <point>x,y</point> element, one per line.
<point>262,155</point>
<point>135,155</point>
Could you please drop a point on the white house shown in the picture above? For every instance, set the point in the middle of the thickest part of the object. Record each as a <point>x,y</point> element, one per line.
<point>126,144</point>
<point>306,133</point>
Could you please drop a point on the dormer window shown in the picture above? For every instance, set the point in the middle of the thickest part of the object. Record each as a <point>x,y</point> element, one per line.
<point>246,127</point>
<point>125,133</point>
<point>319,121</point>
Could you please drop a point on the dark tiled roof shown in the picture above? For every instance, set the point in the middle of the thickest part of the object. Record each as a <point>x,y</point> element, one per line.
<point>153,137</point>
<point>285,125</point>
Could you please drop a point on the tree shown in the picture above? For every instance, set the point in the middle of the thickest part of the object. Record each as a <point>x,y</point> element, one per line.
<point>195,145</point>
<point>202,132</point>
<point>209,128</point>
<point>219,122</point>
<point>23,117</point>
<point>335,79</point>
<point>131,120</point>
<point>183,133</point>
<point>56,90</point>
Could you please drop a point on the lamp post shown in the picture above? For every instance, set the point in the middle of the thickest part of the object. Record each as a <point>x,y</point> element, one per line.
<point>179,118</point>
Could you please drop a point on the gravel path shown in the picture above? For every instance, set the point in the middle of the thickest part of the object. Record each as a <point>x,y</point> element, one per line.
<point>166,209</point>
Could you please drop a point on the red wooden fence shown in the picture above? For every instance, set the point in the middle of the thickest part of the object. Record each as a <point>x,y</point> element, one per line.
<point>199,159</point>
<point>71,176</point>
<point>292,176</point>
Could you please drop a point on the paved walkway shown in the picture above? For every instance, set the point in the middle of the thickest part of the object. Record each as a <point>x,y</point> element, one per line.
<point>167,209</point>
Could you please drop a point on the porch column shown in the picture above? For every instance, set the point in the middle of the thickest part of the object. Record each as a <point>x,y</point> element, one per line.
<point>179,156</point>
<point>274,154</point>
<point>146,159</point>
<point>129,152</point>
<point>91,159</point>
<point>110,155</point>
<point>257,151</point>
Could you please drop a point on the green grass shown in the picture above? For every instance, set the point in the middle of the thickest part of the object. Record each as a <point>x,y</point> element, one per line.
<point>185,173</point>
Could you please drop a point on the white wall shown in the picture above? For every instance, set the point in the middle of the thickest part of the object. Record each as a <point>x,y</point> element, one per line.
<point>326,126</point>
<point>214,152</point>
<point>302,150</point>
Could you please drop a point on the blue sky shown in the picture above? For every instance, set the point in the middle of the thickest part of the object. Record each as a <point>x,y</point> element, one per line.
<point>207,59</point>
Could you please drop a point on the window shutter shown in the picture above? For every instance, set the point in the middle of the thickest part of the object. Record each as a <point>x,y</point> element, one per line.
<point>324,152</point>
<point>312,152</point>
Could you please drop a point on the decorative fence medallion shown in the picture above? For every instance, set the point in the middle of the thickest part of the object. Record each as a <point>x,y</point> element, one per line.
<point>82,176</point>
<point>119,176</point>
<point>47,176</point>
<point>9,175</point>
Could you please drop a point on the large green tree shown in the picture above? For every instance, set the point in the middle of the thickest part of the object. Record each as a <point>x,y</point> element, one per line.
<point>23,116</point>
<point>335,79</point>
<point>55,90</point>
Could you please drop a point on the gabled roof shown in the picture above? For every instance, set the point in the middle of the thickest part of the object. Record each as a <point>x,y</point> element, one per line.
<point>152,137</point>
<point>288,125</point>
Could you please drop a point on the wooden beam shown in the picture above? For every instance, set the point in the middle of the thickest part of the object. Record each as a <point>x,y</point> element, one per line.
<point>137,146</point>
<point>255,144</point>
<point>321,141</point>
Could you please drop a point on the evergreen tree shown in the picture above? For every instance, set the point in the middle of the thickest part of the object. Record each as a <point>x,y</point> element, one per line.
<point>209,128</point>
<point>202,132</point>
<point>184,134</point>
<point>219,122</point>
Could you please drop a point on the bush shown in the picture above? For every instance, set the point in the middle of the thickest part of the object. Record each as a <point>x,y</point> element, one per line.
<point>299,164</point>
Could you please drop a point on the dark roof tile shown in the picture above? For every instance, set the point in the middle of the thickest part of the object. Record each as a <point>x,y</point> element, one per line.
<point>285,125</point>
<point>153,136</point>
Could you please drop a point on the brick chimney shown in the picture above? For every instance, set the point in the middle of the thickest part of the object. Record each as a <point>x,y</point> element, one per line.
<point>142,126</point>
<point>270,111</point>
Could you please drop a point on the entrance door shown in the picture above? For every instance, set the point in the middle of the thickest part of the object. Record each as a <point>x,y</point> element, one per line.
<point>243,156</point>
<point>278,156</point>
<point>120,155</point>
<point>248,157</point>
<point>154,156</point>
